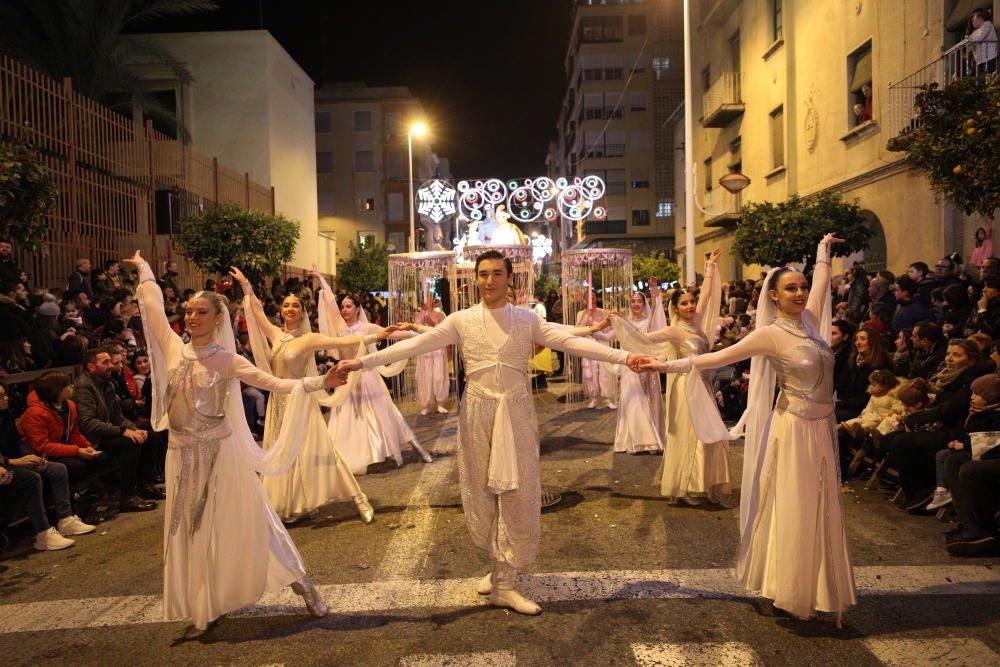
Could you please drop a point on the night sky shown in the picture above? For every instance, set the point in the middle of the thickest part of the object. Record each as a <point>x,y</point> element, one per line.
<point>490,74</point>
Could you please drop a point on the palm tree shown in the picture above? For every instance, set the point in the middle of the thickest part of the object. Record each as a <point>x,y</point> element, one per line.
<point>82,39</point>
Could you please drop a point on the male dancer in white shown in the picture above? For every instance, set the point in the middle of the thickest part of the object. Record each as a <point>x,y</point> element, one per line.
<point>498,432</point>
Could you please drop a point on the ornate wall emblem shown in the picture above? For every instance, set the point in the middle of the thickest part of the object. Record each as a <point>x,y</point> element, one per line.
<point>811,123</point>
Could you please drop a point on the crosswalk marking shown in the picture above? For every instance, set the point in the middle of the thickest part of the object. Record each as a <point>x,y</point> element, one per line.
<point>382,596</point>
<point>723,654</point>
<point>478,659</point>
<point>957,651</point>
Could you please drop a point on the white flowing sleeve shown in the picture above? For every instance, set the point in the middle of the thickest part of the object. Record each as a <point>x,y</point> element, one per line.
<point>658,343</point>
<point>710,301</point>
<point>548,335</point>
<point>443,335</point>
<point>162,342</point>
<point>245,372</point>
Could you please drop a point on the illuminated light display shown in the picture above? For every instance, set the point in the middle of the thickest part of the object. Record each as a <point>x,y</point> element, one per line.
<point>436,200</point>
<point>531,198</point>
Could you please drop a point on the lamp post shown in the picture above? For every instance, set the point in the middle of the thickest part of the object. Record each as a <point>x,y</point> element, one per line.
<point>416,130</point>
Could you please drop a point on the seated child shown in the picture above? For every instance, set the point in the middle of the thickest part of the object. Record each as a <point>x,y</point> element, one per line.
<point>882,406</point>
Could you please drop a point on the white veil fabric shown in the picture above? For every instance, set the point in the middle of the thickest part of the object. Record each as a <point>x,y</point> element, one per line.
<point>331,324</point>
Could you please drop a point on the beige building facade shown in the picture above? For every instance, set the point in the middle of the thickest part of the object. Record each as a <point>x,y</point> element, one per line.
<point>803,96</point>
<point>251,106</point>
<point>362,164</point>
<point>624,70</point>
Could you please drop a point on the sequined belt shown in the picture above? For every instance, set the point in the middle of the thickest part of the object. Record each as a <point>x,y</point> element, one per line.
<point>192,446</point>
<point>502,472</point>
<point>806,409</point>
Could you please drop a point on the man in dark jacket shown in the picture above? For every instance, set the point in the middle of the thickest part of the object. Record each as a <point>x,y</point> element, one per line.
<point>986,319</point>
<point>79,280</point>
<point>104,425</point>
<point>931,347</point>
<point>910,308</point>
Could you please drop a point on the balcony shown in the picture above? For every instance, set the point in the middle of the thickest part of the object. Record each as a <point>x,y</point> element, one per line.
<point>722,103</point>
<point>903,103</point>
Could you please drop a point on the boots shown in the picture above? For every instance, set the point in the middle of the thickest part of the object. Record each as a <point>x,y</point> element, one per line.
<point>364,508</point>
<point>503,594</point>
<point>310,596</point>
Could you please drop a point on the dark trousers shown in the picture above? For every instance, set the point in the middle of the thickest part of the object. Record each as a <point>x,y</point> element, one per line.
<point>24,493</point>
<point>975,488</point>
<point>912,454</point>
<point>128,455</point>
<point>104,466</point>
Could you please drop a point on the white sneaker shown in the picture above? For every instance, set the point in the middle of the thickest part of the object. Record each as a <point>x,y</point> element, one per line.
<point>72,525</point>
<point>612,406</point>
<point>592,405</point>
<point>941,498</point>
<point>442,410</point>
<point>51,540</point>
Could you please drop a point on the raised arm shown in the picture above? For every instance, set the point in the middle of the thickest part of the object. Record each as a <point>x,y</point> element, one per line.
<point>150,297</point>
<point>819,293</point>
<point>329,313</point>
<point>549,335</point>
<point>443,335</point>
<point>657,317</point>
<point>253,307</point>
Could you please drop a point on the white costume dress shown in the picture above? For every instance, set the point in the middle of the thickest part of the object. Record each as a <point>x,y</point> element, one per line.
<point>498,432</point>
<point>433,383</point>
<point>598,380</point>
<point>793,545</point>
<point>640,408</point>
<point>319,475</point>
<point>690,466</point>
<point>224,547</point>
<point>368,428</point>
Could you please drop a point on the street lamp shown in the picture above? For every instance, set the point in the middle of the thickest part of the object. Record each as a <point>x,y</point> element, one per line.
<point>416,130</point>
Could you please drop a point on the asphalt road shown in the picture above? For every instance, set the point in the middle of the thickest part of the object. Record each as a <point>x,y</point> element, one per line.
<point>624,576</point>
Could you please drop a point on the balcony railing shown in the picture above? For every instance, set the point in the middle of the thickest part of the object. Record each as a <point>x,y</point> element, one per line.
<point>722,103</point>
<point>957,62</point>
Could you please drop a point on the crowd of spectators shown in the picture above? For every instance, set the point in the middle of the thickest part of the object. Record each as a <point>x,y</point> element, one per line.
<point>915,372</point>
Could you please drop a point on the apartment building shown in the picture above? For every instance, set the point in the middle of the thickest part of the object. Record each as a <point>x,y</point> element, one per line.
<point>803,96</point>
<point>624,69</point>
<point>362,167</point>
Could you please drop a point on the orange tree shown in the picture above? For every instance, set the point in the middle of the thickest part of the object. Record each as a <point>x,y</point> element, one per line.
<point>958,143</point>
<point>27,194</point>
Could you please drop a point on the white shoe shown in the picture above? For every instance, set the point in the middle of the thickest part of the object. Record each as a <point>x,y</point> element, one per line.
<point>51,540</point>
<point>485,585</point>
<point>941,498</point>
<point>612,406</point>
<point>511,599</point>
<point>592,405</point>
<point>442,410</point>
<point>424,412</point>
<point>72,525</point>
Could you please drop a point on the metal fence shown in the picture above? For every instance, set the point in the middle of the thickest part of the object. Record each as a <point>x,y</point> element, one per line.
<point>111,174</point>
<point>957,62</point>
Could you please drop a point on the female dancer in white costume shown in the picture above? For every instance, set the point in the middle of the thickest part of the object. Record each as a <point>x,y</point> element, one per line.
<point>691,468</point>
<point>224,545</point>
<point>319,475</point>
<point>640,415</point>
<point>368,428</point>
<point>432,378</point>
<point>793,546</point>
<point>598,380</point>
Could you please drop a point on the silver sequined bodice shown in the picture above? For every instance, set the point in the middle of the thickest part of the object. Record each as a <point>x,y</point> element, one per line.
<point>196,397</point>
<point>285,363</point>
<point>478,351</point>
<point>694,343</point>
<point>805,376</point>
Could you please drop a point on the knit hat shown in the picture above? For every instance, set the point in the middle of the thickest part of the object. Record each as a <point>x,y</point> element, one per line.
<point>987,386</point>
<point>48,309</point>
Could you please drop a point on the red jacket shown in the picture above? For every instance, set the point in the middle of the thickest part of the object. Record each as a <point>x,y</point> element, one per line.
<point>44,430</point>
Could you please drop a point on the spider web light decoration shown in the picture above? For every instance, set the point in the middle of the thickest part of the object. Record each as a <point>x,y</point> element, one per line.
<point>436,200</point>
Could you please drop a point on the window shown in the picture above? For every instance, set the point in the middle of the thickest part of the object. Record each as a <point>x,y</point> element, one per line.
<point>859,91</point>
<point>638,62</point>
<point>637,101</point>
<point>322,121</point>
<point>637,24</point>
<point>640,218</point>
<point>600,29</point>
<point>364,161</point>
<point>708,175</point>
<point>614,143</point>
<point>363,121</point>
<point>664,209</point>
<point>396,207</point>
<point>593,106</point>
<point>395,165</point>
<point>324,162</point>
<point>640,178</point>
<point>614,180</point>
<point>614,67</point>
<point>604,227</point>
<point>326,203</point>
<point>592,66</point>
<point>367,239</point>
<point>640,140</point>
<point>397,240</point>
<point>660,67</point>
<point>778,138</point>
<point>367,203</point>
<point>393,124</point>
<point>775,20</point>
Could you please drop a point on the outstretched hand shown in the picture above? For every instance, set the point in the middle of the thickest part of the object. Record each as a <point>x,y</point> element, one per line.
<point>832,238</point>
<point>335,377</point>
<point>652,364</point>
<point>349,365</point>
<point>714,257</point>
<point>135,259</point>
<point>389,330</point>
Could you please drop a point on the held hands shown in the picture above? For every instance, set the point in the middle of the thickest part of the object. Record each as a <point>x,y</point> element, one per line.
<point>637,363</point>
<point>349,366</point>
<point>389,330</point>
<point>602,325</point>
<point>335,377</point>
